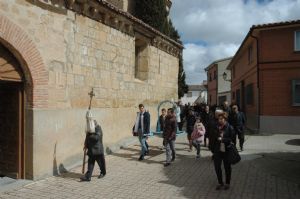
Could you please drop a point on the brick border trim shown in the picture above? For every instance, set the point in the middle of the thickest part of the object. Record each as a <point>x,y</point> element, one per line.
<point>24,49</point>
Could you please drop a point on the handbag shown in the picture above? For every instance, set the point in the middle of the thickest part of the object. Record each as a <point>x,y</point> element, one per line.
<point>233,154</point>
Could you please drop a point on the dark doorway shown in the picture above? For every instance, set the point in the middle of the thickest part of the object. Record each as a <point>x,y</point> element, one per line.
<point>11,116</point>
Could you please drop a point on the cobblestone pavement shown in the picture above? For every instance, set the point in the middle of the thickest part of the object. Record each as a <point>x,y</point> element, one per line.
<point>187,177</point>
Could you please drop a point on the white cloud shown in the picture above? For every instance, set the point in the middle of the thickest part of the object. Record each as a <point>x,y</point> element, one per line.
<point>197,57</point>
<point>222,25</point>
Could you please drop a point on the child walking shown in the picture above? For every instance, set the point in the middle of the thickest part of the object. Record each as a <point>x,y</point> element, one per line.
<point>198,135</point>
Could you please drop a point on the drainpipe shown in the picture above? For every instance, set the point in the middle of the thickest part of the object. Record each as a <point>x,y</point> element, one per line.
<point>257,79</point>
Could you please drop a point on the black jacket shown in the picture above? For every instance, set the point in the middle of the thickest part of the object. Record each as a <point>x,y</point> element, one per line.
<point>146,124</point>
<point>190,122</point>
<point>162,120</point>
<point>94,143</point>
<point>238,120</point>
<point>228,137</point>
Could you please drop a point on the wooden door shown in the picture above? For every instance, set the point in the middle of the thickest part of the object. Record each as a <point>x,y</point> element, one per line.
<point>10,130</point>
<point>11,116</point>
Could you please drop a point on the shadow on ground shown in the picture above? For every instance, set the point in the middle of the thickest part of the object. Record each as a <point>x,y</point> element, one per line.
<point>272,175</point>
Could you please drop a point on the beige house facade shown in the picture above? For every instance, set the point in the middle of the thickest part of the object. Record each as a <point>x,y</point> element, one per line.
<point>53,54</point>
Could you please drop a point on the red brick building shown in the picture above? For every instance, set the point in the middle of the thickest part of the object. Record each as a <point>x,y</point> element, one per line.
<point>212,82</point>
<point>266,77</point>
<point>218,88</point>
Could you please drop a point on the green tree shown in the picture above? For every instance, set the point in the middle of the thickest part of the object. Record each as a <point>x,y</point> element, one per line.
<point>154,13</point>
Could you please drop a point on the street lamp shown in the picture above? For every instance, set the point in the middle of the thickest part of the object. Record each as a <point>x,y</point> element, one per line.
<point>225,77</point>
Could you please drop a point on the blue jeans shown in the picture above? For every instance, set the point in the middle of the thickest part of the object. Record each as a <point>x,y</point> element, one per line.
<point>170,150</point>
<point>143,142</point>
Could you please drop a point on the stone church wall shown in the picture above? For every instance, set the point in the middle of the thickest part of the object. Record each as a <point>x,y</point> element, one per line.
<point>80,53</point>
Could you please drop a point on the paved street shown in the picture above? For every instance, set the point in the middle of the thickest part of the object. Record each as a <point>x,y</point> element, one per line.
<point>263,173</point>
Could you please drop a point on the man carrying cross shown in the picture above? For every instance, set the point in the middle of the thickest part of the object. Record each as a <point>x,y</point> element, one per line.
<point>94,145</point>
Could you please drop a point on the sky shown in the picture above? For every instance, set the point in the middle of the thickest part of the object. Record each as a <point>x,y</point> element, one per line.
<point>214,29</point>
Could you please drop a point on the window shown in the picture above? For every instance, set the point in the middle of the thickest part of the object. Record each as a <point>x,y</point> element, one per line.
<point>190,94</point>
<point>297,40</point>
<point>233,71</point>
<point>249,94</point>
<point>210,79</point>
<point>296,92</point>
<point>233,95</point>
<point>141,60</point>
<point>215,75</point>
<point>250,55</point>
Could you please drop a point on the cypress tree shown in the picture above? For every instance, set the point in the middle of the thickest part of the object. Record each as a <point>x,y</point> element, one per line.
<point>154,13</point>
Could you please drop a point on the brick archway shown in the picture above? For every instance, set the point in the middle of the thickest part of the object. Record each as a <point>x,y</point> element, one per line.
<point>24,49</point>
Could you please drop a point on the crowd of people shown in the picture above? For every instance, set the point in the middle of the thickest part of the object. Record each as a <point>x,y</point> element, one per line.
<point>214,127</point>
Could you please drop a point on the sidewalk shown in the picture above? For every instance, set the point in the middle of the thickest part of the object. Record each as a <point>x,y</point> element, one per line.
<point>259,175</point>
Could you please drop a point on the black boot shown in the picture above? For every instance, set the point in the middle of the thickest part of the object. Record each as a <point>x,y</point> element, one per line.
<point>141,158</point>
<point>85,179</point>
<point>101,175</point>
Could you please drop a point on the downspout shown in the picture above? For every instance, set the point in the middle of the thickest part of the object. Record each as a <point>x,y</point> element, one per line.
<point>257,79</point>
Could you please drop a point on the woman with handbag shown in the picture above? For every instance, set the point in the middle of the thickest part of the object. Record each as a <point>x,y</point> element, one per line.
<point>221,140</point>
<point>198,136</point>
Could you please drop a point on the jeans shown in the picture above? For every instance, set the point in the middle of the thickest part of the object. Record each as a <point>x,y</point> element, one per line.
<point>196,144</point>
<point>218,158</point>
<point>91,163</point>
<point>144,144</point>
<point>170,150</point>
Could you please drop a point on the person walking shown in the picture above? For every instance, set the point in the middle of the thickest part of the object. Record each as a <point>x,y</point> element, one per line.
<point>219,144</point>
<point>238,123</point>
<point>169,136</point>
<point>94,145</point>
<point>142,127</point>
<point>161,120</point>
<point>206,117</point>
<point>226,108</point>
<point>177,113</point>
<point>198,136</point>
<point>190,122</point>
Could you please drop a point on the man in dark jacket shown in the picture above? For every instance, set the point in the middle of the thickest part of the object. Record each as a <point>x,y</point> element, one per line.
<point>142,127</point>
<point>162,119</point>
<point>206,117</point>
<point>94,145</point>
<point>169,136</point>
<point>238,123</point>
<point>190,122</point>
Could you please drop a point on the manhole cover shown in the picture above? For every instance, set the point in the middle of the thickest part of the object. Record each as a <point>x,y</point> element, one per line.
<point>295,142</point>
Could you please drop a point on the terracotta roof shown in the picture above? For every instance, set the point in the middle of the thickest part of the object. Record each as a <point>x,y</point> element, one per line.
<point>129,16</point>
<point>283,23</point>
<point>261,26</point>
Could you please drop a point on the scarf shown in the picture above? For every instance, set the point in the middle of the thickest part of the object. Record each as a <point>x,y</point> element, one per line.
<point>136,126</point>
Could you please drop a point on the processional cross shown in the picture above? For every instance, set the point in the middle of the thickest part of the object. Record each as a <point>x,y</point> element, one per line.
<point>91,94</point>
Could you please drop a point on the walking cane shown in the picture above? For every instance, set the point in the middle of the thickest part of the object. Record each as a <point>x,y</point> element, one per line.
<point>91,94</point>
